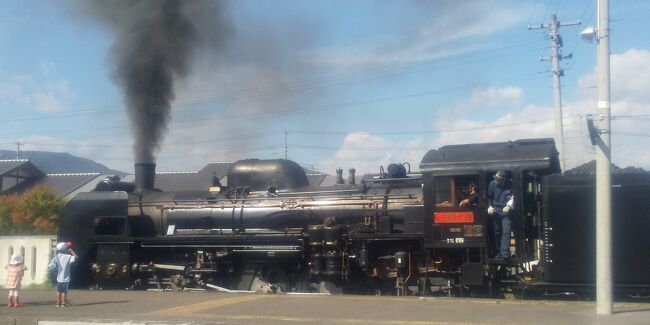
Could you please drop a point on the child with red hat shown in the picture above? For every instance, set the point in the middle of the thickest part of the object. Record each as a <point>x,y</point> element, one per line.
<point>63,260</point>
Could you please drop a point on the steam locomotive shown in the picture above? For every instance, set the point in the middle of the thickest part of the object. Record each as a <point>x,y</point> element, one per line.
<point>396,232</point>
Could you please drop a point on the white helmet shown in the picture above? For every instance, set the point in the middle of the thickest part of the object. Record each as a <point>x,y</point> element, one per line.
<point>16,259</point>
<point>61,246</point>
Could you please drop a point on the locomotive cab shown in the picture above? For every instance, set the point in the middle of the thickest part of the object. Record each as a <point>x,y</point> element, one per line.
<point>463,235</point>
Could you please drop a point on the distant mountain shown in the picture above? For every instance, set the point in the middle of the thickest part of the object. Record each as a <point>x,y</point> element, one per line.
<point>60,162</point>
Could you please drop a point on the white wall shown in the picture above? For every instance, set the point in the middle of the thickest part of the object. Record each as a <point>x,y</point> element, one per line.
<point>36,253</point>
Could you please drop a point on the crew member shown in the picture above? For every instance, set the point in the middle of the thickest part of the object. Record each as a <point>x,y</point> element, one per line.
<point>472,199</point>
<point>500,200</point>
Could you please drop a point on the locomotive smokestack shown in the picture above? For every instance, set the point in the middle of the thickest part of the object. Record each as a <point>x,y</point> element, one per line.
<point>145,176</point>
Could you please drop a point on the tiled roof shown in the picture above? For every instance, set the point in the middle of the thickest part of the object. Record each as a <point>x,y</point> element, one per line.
<point>219,168</point>
<point>202,180</point>
<point>89,186</point>
<point>64,184</point>
<point>9,165</point>
<point>28,174</point>
<point>22,187</point>
<point>188,181</point>
<point>183,181</point>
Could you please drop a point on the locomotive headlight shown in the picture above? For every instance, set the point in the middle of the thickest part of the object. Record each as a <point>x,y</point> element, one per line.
<point>125,269</point>
<point>95,268</point>
<point>111,269</point>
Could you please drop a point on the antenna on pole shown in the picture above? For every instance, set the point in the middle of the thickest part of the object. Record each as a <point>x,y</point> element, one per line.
<point>18,144</point>
<point>556,73</point>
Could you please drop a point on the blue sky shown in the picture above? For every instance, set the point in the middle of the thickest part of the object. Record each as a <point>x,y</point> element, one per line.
<point>353,83</point>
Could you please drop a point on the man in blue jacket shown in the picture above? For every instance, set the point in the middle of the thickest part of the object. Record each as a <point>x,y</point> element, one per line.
<point>500,199</point>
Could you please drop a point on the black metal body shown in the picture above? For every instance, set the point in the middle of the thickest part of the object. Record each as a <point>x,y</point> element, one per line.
<point>399,235</point>
<point>569,254</point>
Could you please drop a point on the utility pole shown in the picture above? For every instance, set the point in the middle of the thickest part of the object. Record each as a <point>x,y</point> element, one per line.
<point>556,73</point>
<point>600,135</point>
<point>18,144</point>
<point>286,147</point>
<point>604,286</point>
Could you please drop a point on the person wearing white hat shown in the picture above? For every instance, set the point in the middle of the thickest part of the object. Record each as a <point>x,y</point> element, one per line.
<point>63,260</point>
<point>15,271</point>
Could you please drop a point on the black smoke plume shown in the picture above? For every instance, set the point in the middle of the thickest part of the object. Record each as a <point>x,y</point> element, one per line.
<point>155,42</point>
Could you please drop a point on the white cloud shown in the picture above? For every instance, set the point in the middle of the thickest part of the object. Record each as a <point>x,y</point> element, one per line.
<point>630,78</point>
<point>530,122</point>
<point>366,152</point>
<point>363,57</point>
<point>449,22</point>
<point>468,20</point>
<point>12,91</point>
<point>631,75</point>
<point>489,99</point>
<point>45,92</point>
<point>47,103</point>
<point>467,122</point>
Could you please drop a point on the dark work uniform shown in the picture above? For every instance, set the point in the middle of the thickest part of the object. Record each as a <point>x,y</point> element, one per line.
<point>473,199</point>
<point>498,196</point>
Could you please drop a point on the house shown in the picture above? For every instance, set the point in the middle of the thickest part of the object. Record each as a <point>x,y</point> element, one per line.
<point>18,175</point>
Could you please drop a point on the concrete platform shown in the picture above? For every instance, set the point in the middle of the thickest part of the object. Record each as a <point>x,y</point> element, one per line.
<point>141,307</point>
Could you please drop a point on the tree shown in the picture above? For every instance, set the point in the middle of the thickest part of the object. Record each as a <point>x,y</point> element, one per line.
<point>36,211</point>
<point>8,204</point>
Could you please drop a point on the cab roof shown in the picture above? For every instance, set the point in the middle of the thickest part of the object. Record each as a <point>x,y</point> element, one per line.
<point>526,154</point>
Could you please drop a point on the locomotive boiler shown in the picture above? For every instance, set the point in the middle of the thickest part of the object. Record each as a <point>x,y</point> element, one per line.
<point>396,232</point>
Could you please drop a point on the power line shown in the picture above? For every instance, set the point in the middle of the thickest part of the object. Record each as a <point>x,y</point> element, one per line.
<point>366,74</point>
<point>506,125</point>
<point>294,85</point>
<point>311,132</point>
<point>397,148</point>
<point>532,12</point>
<point>576,38</point>
<point>548,8</point>
<point>174,144</point>
<point>487,127</point>
<point>223,119</point>
<point>191,155</point>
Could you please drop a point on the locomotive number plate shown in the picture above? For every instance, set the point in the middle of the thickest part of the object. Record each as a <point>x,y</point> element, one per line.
<point>453,217</point>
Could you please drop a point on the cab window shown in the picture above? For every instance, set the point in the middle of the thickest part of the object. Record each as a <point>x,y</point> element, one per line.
<point>110,225</point>
<point>445,189</point>
<point>451,190</point>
